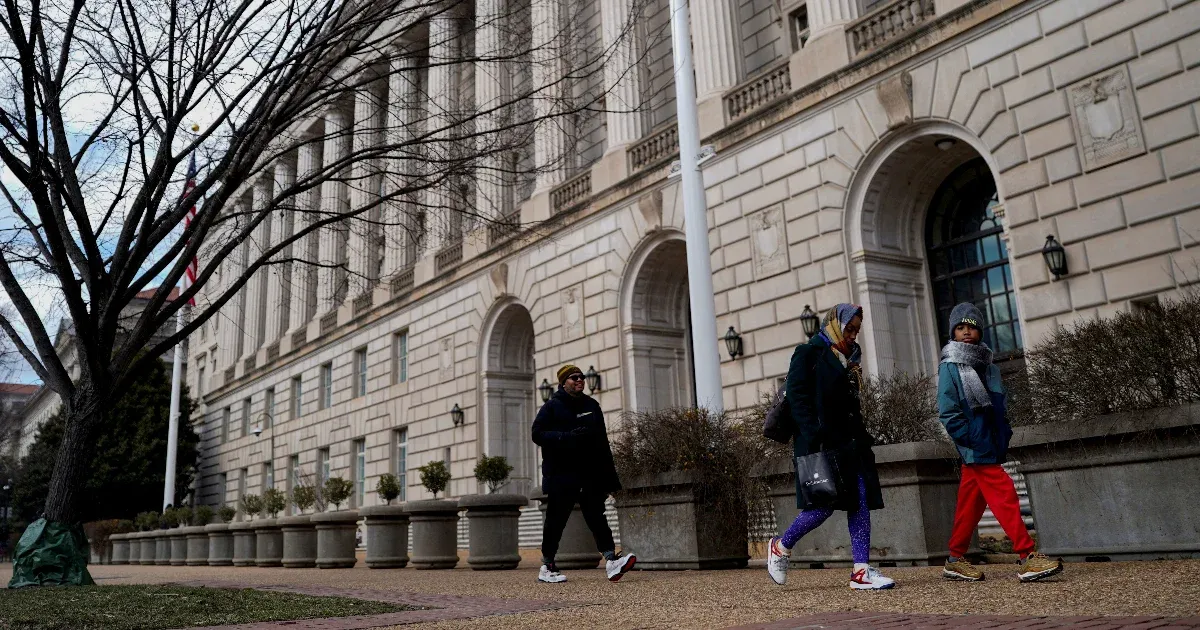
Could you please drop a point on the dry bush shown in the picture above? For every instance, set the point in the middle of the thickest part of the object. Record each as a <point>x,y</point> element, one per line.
<point>901,407</point>
<point>1144,359</point>
<point>720,449</point>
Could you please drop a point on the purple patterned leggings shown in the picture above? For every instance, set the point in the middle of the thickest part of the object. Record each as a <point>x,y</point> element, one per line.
<point>859,521</point>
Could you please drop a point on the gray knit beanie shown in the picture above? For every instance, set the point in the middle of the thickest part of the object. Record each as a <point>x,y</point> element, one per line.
<point>966,313</point>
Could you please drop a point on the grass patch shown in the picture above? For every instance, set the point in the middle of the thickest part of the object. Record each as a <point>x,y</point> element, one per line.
<point>151,607</point>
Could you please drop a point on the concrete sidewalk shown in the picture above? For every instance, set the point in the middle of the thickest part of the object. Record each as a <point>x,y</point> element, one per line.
<point>718,599</point>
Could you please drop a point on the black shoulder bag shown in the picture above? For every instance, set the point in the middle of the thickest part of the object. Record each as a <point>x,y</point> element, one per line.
<point>778,425</point>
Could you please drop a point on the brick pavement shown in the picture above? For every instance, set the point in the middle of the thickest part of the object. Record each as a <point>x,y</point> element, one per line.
<point>858,620</point>
<point>436,607</point>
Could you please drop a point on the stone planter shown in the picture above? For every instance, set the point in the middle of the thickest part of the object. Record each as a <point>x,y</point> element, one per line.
<point>269,543</point>
<point>162,547</point>
<point>197,546</point>
<point>135,547</point>
<point>120,548</point>
<point>179,547</point>
<point>387,536</point>
<point>336,539</point>
<point>492,523</point>
<point>434,525</point>
<point>577,547</point>
<point>920,488</point>
<point>220,545</point>
<point>1119,487</point>
<point>149,547</point>
<point>664,523</point>
<point>245,544</point>
<point>299,542</point>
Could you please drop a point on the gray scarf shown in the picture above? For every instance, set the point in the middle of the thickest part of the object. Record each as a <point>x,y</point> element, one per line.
<point>968,358</point>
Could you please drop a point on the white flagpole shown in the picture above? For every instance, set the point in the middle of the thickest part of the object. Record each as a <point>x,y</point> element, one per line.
<point>707,363</point>
<point>173,433</point>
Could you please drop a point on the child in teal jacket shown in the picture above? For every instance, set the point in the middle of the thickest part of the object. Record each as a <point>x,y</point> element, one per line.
<point>972,406</point>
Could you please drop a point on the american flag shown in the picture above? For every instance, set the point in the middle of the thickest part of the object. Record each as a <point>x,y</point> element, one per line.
<point>189,276</point>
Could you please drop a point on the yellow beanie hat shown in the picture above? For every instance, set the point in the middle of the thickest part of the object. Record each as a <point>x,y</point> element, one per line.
<point>565,371</point>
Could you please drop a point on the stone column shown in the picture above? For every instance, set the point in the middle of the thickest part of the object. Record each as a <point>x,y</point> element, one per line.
<point>826,15</point>
<point>718,54</point>
<point>548,56</point>
<point>491,189</point>
<point>235,309</point>
<point>625,121</point>
<point>442,90</point>
<point>302,303</point>
<point>402,118</point>
<point>331,254</point>
<point>364,190</point>
<point>279,274</point>
<point>256,296</point>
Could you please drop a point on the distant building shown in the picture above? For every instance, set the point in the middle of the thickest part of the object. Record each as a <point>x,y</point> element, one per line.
<point>41,402</point>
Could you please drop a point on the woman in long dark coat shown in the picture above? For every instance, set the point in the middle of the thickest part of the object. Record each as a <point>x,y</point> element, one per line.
<point>822,392</point>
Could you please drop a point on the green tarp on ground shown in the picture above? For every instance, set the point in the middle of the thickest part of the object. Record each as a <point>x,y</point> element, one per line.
<point>51,554</point>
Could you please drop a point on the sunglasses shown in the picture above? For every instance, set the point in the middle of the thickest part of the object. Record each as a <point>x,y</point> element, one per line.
<point>575,377</point>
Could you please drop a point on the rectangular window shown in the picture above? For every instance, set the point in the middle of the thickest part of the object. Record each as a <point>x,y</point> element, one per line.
<point>323,466</point>
<point>293,480</point>
<point>222,488</point>
<point>326,386</point>
<point>360,372</point>
<point>269,409</point>
<point>200,381</point>
<point>243,479</point>
<point>246,417</point>
<point>799,27</point>
<point>359,472</point>
<point>400,357</point>
<point>297,401</point>
<point>226,420</point>
<point>400,466</point>
<point>268,475</point>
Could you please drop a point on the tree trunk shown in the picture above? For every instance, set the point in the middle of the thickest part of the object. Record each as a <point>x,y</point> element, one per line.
<point>82,416</point>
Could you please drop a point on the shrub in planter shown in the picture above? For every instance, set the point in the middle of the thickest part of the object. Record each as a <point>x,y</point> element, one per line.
<point>687,487</point>
<point>299,534</point>
<point>252,505</point>
<point>202,515</point>
<point>220,538</point>
<point>336,530</point>
<point>387,528</point>
<point>274,501</point>
<point>336,491</point>
<point>493,471</point>
<point>118,539</point>
<point>435,476</point>
<point>197,537</point>
<point>1110,441</point>
<point>388,487</point>
<point>245,536</point>
<point>148,522</point>
<point>178,536</point>
<point>98,534</point>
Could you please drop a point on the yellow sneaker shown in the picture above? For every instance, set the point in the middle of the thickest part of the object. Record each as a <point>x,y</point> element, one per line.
<point>959,569</point>
<point>1037,566</point>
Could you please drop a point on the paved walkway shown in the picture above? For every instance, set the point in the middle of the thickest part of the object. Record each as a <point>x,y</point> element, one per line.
<point>1148,591</point>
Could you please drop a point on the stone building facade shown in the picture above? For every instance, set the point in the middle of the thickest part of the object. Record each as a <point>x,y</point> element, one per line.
<point>901,154</point>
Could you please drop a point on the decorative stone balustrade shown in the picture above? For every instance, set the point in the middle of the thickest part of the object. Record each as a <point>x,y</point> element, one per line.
<point>403,281</point>
<point>272,352</point>
<point>571,193</point>
<point>230,373</point>
<point>362,303</point>
<point>504,227</point>
<point>759,91</point>
<point>449,256</point>
<point>656,147</point>
<point>328,322</point>
<point>251,362</point>
<point>888,23</point>
<point>300,337</point>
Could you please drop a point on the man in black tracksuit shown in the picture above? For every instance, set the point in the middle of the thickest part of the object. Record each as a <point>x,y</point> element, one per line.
<point>577,467</point>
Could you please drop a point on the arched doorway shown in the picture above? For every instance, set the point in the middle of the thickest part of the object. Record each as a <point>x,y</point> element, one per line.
<point>658,328</point>
<point>508,389</point>
<point>923,234</point>
<point>968,257</point>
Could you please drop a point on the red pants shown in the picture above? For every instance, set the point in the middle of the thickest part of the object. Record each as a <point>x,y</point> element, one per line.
<point>987,485</point>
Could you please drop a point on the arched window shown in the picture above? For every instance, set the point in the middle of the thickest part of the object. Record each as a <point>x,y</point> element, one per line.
<point>968,260</point>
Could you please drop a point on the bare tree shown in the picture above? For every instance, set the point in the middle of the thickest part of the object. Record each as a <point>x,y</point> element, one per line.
<point>98,99</point>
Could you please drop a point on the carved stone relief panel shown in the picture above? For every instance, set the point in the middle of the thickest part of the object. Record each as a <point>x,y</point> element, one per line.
<point>1105,119</point>
<point>571,299</point>
<point>446,358</point>
<point>768,242</point>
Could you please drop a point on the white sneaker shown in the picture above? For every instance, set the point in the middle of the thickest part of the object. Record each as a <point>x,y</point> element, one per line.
<point>616,568</point>
<point>870,579</point>
<point>777,562</point>
<point>550,576</point>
